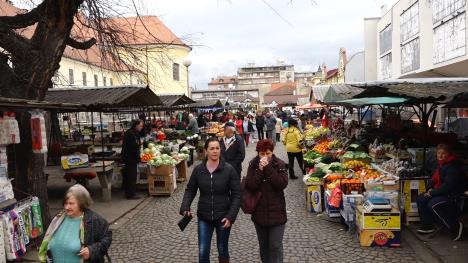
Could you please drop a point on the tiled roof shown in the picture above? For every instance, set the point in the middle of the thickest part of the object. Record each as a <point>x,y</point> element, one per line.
<point>283,99</point>
<point>144,30</point>
<point>279,89</point>
<point>332,73</point>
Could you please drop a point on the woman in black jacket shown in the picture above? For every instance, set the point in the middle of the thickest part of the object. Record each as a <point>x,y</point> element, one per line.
<point>447,182</point>
<point>219,201</point>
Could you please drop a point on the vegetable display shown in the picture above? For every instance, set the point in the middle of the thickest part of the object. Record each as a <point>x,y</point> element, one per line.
<point>322,147</point>
<point>315,133</point>
<point>311,156</point>
<point>154,156</point>
<point>355,165</point>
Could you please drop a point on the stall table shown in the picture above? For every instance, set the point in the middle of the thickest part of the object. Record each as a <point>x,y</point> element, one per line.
<point>104,174</point>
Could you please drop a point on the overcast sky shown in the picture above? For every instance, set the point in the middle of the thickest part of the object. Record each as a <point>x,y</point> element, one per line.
<point>227,34</point>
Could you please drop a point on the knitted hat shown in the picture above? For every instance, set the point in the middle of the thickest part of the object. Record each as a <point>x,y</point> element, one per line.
<point>229,124</point>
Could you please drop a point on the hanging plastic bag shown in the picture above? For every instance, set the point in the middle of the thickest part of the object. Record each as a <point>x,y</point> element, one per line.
<point>37,227</point>
<point>336,197</point>
<point>9,129</point>
<point>38,132</point>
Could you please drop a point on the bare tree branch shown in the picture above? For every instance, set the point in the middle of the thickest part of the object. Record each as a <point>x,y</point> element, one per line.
<point>81,44</point>
<point>23,20</point>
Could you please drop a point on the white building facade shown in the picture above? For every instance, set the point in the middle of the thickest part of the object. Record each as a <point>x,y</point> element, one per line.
<point>417,38</point>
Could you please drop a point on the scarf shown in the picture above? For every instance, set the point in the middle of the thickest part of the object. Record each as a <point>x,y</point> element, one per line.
<point>54,226</point>
<point>436,182</point>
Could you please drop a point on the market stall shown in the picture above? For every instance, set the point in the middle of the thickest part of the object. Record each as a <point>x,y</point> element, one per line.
<point>20,213</point>
<point>161,133</point>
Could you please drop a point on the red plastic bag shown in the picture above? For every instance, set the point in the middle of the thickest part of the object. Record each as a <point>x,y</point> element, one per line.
<point>336,197</point>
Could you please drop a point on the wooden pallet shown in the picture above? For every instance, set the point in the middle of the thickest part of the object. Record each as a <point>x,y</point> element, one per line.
<point>411,217</point>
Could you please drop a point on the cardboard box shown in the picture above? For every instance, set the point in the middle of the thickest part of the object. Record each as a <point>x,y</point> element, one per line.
<point>352,199</point>
<point>382,187</point>
<point>182,171</point>
<point>379,238</point>
<point>349,215</point>
<point>411,190</point>
<point>160,170</point>
<point>314,198</point>
<point>161,185</point>
<point>378,220</point>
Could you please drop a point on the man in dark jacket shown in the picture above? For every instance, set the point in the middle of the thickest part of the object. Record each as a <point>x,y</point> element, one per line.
<point>260,124</point>
<point>131,157</point>
<point>270,123</point>
<point>447,183</point>
<point>232,147</point>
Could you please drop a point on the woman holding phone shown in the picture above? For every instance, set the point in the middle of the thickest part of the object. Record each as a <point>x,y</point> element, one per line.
<point>219,201</point>
<point>268,174</point>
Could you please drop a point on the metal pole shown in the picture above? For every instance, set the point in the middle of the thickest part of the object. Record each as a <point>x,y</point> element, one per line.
<point>102,144</point>
<point>92,127</point>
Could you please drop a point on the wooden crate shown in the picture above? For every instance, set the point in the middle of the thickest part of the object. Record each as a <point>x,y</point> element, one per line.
<point>411,217</point>
<point>182,171</point>
<point>160,185</point>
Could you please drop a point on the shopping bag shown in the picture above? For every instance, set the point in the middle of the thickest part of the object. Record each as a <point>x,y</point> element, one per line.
<point>336,197</point>
<point>249,199</point>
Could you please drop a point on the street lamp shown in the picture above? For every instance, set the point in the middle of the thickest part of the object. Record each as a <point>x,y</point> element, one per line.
<point>187,62</point>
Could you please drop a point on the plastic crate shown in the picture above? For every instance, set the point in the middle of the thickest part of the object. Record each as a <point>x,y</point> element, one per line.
<point>348,188</point>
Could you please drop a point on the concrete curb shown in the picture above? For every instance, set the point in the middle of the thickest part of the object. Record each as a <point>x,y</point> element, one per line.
<point>422,250</point>
<point>124,218</point>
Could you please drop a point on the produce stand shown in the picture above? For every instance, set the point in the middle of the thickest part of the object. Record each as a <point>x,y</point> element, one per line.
<point>374,184</point>
<point>333,162</point>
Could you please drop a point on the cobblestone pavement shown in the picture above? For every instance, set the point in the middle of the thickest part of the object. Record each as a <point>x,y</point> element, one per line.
<point>153,236</point>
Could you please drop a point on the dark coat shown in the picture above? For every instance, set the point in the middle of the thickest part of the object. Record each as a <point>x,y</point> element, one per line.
<point>97,236</point>
<point>259,121</point>
<point>271,208</point>
<point>235,154</point>
<point>452,179</point>
<point>220,195</point>
<point>131,147</point>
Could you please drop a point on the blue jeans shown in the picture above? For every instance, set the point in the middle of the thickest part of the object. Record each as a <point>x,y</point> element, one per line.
<point>205,233</point>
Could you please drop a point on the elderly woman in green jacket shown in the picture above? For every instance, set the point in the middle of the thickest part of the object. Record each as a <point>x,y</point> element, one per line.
<point>76,234</point>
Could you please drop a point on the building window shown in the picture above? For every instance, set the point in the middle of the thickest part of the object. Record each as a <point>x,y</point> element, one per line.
<point>111,82</point>
<point>409,23</point>
<point>96,80</point>
<point>386,66</point>
<point>175,71</point>
<point>83,74</point>
<point>410,56</point>
<point>104,81</point>
<point>444,8</point>
<point>71,78</point>
<point>449,39</point>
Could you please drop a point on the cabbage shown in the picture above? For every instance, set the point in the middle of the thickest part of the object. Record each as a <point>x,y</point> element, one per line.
<point>146,151</point>
<point>153,150</point>
<point>151,145</point>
